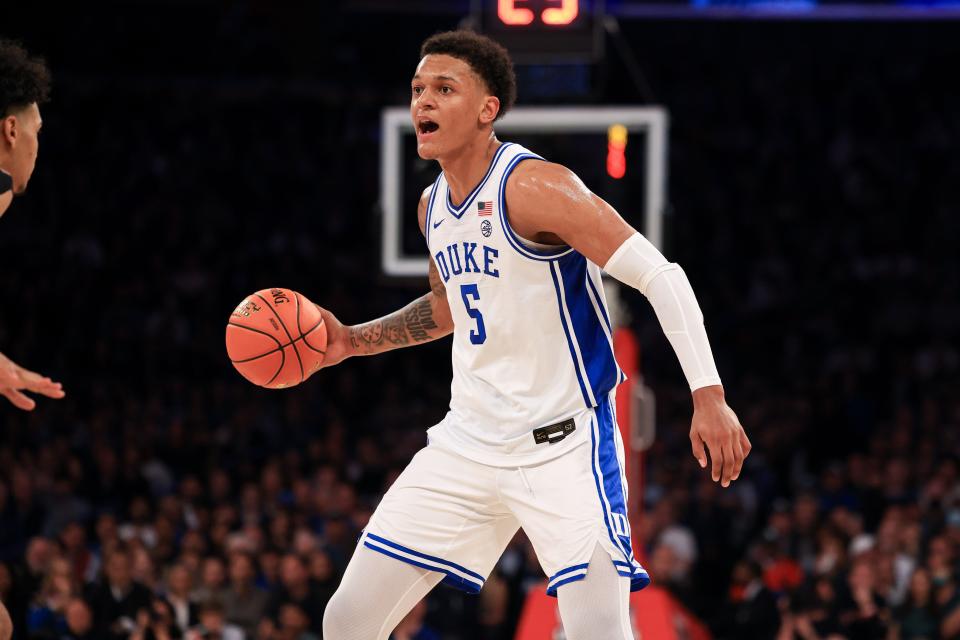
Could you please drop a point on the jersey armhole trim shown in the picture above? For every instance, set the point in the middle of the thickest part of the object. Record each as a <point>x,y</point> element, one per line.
<point>512,238</point>
<point>426,224</point>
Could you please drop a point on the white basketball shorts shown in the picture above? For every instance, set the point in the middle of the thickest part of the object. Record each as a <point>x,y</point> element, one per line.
<point>453,515</point>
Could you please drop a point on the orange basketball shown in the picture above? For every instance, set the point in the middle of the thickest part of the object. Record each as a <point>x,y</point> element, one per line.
<point>276,338</point>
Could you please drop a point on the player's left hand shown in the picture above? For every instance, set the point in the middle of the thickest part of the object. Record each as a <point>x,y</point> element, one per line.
<point>14,380</point>
<point>717,426</point>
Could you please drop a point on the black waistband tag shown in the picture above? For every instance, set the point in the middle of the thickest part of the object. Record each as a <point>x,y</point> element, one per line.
<point>554,432</point>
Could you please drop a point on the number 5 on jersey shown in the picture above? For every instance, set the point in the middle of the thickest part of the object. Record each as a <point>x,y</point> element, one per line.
<point>467,291</point>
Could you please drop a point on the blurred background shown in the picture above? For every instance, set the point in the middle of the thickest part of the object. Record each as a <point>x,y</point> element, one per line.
<point>194,152</point>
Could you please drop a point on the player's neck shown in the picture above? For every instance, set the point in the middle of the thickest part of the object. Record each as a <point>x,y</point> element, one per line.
<point>466,169</point>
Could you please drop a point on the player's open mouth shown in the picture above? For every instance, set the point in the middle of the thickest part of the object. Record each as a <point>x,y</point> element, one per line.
<point>426,127</point>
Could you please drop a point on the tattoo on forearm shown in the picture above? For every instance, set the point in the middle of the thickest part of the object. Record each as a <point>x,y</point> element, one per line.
<point>366,336</point>
<point>357,339</point>
<point>372,333</point>
<point>396,330</point>
<point>390,330</point>
<point>419,320</point>
<point>393,330</point>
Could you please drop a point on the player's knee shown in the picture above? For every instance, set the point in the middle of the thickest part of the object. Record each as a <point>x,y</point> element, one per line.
<point>341,618</point>
<point>335,617</point>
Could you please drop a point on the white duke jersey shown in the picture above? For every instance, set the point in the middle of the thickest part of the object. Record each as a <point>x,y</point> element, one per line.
<point>532,342</point>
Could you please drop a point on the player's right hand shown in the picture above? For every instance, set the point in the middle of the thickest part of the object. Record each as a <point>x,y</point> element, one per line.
<point>338,340</point>
<point>14,380</point>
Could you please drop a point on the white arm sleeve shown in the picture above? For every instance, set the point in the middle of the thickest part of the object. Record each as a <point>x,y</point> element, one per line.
<point>639,264</point>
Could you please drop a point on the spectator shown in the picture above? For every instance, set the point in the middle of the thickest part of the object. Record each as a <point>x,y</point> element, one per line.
<point>157,623</point>
<point>753,612</point>
<point>179,588</point>
<point>917,619</point>
<point>118,600</point>
<point>107,538</point>
<point>864,614</point>
<point>46,617</point>
<point>294,624</point>
<point>819,614</point>
<point>244,602</point>
<point>31,574</point>
<point>296,588</point>
<point>142,568</point>
<point>213,581</point>
<point>269,570</point>
<point>79,621</point>
<point>73,539</point>
<point>213,624</point>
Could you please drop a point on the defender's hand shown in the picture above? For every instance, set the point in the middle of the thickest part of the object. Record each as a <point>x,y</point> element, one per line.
<point>6,195</point>
<point>5,200</point>
<point>717,426</point>
<point>14,379</point>
<point>338,340</point>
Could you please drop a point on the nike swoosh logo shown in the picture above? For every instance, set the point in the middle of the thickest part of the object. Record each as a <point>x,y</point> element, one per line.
<point>437,224</point>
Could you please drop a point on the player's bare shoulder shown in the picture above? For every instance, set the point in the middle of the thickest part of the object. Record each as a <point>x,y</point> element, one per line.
<point>544,198</point>
<point>538,186</point>
<point>539,175</point>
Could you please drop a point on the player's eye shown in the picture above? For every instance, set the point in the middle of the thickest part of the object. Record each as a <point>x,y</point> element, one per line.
<point>446,89</point>
<point>417,90</point>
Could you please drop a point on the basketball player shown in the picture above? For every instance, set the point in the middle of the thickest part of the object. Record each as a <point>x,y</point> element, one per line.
<point>24,84</point>
<point>531,438</point>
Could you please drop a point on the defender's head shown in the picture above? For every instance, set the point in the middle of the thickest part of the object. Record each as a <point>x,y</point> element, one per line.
<point>24,86</point>
<point>464,82</point>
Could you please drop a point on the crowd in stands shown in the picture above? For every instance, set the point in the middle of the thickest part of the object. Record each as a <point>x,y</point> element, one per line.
<point>814,208</point>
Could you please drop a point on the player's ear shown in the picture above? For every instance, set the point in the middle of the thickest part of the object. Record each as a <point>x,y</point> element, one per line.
<point>8,129</point>
<point>491,107</point>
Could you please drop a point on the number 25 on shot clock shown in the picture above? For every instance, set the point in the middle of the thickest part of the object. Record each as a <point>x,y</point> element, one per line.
<point>555,13</point>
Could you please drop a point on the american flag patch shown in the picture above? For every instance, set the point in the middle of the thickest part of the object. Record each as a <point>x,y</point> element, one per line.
<point>484,208</point>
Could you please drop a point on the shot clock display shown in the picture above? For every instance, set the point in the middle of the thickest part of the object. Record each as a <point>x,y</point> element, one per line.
<point>542,31</point>
<point>512,13</point>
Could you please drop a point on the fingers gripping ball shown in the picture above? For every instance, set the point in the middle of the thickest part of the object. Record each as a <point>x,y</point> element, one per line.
<point>276,338</point>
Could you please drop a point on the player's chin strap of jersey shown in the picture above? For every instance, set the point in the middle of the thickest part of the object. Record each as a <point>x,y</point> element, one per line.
<point>639,264</point>
<point>6,182</point>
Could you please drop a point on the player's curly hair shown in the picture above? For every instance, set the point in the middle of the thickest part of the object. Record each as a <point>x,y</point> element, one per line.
<point>486,57</point>
<point>23,79</point>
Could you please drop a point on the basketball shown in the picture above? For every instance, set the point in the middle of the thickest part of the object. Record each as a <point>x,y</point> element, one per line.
<point>276,338</point>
